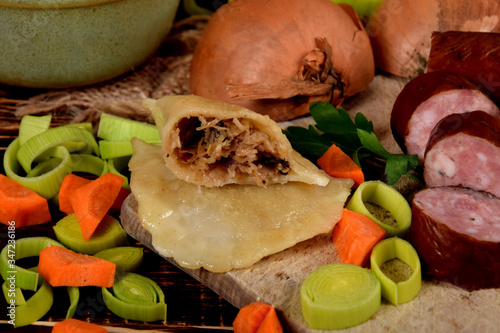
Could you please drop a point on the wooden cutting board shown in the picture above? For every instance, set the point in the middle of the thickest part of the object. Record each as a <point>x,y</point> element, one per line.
<point>276,279</point>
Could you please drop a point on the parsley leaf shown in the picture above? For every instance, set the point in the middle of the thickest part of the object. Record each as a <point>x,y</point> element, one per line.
<point>356,138</point>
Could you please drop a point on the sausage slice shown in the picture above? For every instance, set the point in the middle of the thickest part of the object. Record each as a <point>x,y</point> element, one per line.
<point>464,150</point>
<point>427,99</point>
<point>456,232</point>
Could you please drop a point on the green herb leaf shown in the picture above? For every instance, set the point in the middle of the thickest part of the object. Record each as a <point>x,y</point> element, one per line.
<point>356,138</point>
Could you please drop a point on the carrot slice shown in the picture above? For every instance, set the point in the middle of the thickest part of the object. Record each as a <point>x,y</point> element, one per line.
<point>21,205</point>
<point>63,267</point>
<point>355,235</point>
<point>70,183</point>
<point>92,201</point>
<point>72,325</point>
<point>257,317</point>
<point>338,164</point>
<point>271,323</point>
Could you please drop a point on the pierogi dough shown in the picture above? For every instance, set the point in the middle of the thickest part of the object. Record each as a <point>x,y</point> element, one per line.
<point>228,227</point>
<point>213,143</point>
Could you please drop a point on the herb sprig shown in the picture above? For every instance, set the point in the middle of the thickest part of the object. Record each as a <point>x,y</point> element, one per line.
<point>356,138</point>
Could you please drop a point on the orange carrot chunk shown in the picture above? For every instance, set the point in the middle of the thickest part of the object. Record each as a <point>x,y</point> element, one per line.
<point>72,325</point>
<point>68,186</point>
<point>338,164</point>
<point>63,267</point>
<point>257,317</point>
<point>354,236</point>
<point>92,201</point>
<point>21,206</point>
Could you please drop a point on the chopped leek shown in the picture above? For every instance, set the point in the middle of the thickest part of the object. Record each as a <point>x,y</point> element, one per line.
<point>32,125</point>
<point>56,136</point>
<point>391,248</point>
<point>385,196</point>
<point>114,149</point>
<point>109,234</point>
<point>114,128</point>
<point>364,8</point>
<point>35,307</point>
<point>136,297</point>
<point>87,163</point>
<point>46,184</point>
<point>85,126</point>
<point>19,249</point>
<point>192,8</point>
<point>126,258</point>
<point>12,293</point>
<point>116,165</point>
<point>74,296</point>
<point>337,296</point>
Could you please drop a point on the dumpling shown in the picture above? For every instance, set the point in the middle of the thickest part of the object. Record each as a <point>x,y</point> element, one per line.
<point>213,143</point>
<point>232,226</point>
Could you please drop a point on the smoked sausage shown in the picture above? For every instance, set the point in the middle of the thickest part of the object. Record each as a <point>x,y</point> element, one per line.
<point>427,99</point>
<point>464,150</point>
<point>456,232</point>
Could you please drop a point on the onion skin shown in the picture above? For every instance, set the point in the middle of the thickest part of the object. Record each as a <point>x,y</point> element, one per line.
<point>400,30</point>
<point>261,44</point>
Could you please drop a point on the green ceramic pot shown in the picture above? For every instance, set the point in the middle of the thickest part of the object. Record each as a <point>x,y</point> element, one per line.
<point>67,43</point>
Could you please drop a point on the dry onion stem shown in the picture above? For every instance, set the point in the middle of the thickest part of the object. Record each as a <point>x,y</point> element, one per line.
<point>275,57</point>
<point>316,76</point>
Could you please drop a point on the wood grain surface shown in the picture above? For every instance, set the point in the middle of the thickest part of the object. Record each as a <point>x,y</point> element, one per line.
<point>439,306</point>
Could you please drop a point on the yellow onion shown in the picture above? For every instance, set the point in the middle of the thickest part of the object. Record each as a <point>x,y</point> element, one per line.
<point>275,57</point>
<point>401,30</point>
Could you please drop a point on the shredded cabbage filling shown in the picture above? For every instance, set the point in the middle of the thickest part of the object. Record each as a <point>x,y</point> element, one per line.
<point>232,144</point>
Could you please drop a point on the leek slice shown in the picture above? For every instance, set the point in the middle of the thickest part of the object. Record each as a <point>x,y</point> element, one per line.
<point>12,293</point>
<point>136,297</point>
<point>32,125</point>
<point>88,164</point>
<point>133,288</point>
<point>87,126</point>
<point>192,8</point>
<point>35,307</point>
<point>44,167</point>
<point>115,165</point>
<point>379,193</point>
<point>390,248</point>
<point>114,128</point>
<point>37,145</point>
<point>74,296</point>
<point>19,249</point>
<point>47,184</point>
<point>126,258</point>
<point>337,296</point>
<point>364,8</point>
<point>109,234</point>
<point>113,149</point>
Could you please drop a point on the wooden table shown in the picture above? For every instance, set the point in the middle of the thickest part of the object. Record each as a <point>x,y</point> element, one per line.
<point>191,306</point>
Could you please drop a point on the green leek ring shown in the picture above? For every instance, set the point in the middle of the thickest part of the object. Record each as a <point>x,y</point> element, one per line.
<point>387,197</point>
<point>19,249</point>
<point>390,248</point>
<point>337,296</point>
